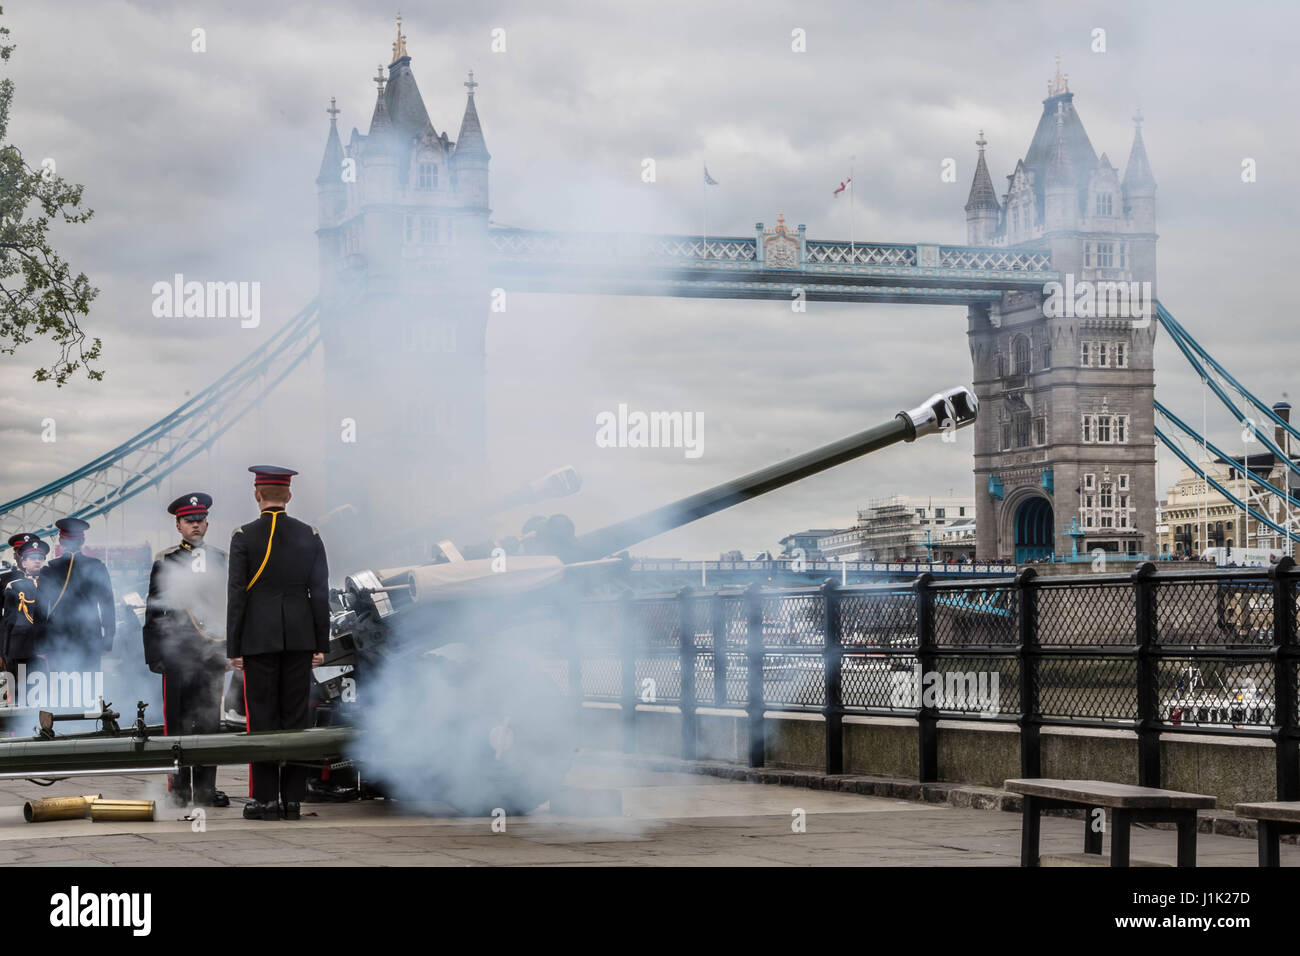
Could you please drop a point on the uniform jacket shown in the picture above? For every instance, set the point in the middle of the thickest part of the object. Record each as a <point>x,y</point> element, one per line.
<point>82,613</point>
<point>185,615</point>
<point>11,574</point>
<point>23,629</point>
<point>278,596</point>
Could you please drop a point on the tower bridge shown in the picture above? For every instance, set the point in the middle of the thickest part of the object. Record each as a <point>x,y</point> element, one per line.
<point>410,262</point>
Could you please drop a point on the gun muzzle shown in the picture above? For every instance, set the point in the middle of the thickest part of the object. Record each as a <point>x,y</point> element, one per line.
<point>948,410</point>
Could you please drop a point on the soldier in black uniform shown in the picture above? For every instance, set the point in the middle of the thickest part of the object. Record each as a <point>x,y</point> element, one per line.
<point>277,630</point>
<point>82,617</point>
<point>15,572</point>
<point>184,640</point>
<point>22,630</point>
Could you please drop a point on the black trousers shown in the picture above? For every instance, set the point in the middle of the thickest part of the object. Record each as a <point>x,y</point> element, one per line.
<point>277,688</point>
<point>192,705</point>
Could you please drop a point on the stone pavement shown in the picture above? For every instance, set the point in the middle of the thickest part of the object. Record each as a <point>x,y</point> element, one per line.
<point>668,819</point>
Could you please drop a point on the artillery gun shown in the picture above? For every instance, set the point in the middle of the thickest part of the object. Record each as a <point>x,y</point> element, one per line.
<point>439,682</point>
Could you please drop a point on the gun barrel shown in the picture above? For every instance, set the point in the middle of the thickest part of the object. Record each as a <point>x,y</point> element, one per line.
<point>944,411</point>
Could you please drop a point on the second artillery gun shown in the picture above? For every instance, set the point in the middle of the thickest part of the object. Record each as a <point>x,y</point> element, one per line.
<point>440,682</point>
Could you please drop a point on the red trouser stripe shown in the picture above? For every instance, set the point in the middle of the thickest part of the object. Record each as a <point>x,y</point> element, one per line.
<point>169,776</point>
<point>248,725</point>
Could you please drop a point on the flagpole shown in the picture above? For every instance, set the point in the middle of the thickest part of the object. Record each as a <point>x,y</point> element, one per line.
<point>704,185</point>
<point>853,255</point>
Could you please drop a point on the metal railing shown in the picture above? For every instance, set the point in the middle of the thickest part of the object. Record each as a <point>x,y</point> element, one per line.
<point>1153,652</point>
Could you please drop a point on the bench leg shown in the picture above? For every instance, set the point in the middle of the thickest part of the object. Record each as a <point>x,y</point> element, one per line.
<point>1091,834</point>
<point>1270,853</point>
<point>1119,833</point>
<point>1029,819</point>
<point>1187,839</point>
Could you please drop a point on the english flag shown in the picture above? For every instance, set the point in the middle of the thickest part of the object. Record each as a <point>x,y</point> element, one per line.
<point>842,186</point>
<point>709,180</point>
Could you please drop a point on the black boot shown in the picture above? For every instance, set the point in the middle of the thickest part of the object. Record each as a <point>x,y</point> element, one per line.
<point>261,810</point>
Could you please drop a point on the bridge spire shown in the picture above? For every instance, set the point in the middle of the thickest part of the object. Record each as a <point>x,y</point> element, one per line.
<point>983,198</point>
<point>399,45</point>
<point>1137,174</point>
<point>470,139</point>
<point>331,164</point>
<point>379,120</point>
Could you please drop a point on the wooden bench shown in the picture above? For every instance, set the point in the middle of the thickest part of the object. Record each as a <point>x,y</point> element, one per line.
<point>1128,805</point>
<point>1272,820</point>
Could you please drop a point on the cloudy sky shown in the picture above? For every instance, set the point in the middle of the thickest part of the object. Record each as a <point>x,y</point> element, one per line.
<point>204,164</point>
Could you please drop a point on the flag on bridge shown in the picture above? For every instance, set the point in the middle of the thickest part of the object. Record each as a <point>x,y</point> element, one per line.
<point>709,180</point>
<point>842,187</point>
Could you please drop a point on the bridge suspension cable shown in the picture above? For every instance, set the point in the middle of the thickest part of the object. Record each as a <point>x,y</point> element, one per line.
<point>1191,349</point>
<point>146,459</point>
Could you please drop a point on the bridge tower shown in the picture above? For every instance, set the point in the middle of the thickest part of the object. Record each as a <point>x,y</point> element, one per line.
<point>1065,439</point>
<point>403,218</point>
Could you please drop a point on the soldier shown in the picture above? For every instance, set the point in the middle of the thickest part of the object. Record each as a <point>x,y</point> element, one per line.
<point>15,572</point>
<point>23,629</point>
<point>184,640</point>
<point>277,612</point>
<point>82,617</point>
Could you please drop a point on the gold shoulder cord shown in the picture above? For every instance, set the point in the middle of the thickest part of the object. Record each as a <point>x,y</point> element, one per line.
<point>23,604</point>
<point>267,556</point>
<point>66,579</point>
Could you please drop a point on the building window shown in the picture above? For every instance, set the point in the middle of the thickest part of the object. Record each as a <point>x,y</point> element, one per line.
<point>1123,501</point>
<point>1104,204</point>
<point>920,513</point>
<point>428,176</point>
<point>1087,521</point>
<point>1089,480</point>
<point>1006,436</point>
<point>1123,255</point>
<point>1123,519</point>
<point>1087,428</point>
<point>1107,498</point>
<point>1103,354</point>
<point>1085,353</point>
<point>1002,366</point>
<point>1022,431</point>
<point>1123,482</point>
<point>1022,356</point>
<point>1105,255</point>
<point>1106,521</point>
<point>410,229</point>
<point>1040,431</point>
<point>1087,254</point>
<point>1121,355</point>
<point>1088,501</point>
<point>961,513</point>
<point>426,229</point>
<point>1047,356</point>
<point>1121,429</point>
<point>938,513</point>
<point>1103,428</point>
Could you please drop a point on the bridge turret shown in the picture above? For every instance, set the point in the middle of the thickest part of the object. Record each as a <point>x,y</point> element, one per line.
<point>330,192</point>
<point>982,207</point>
<point>469,161</point>
<point>1139,183</point>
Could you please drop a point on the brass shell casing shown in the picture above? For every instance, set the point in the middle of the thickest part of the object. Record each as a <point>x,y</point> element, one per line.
<point>58,808</point>
<point>121,810</point>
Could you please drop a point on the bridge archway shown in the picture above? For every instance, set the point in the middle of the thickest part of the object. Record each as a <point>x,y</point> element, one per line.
<point>1034,529</point>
